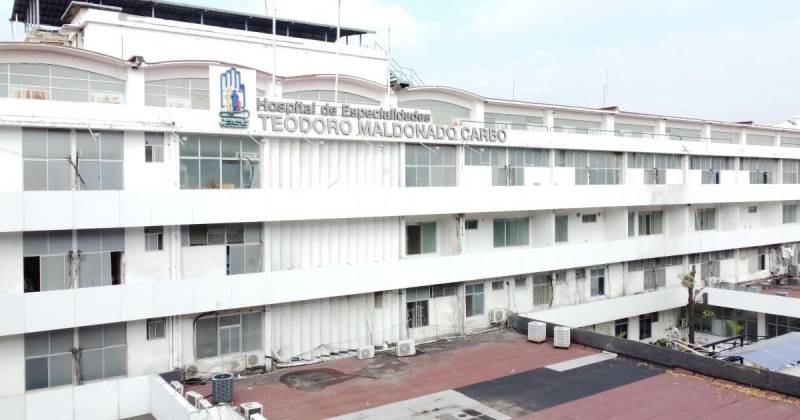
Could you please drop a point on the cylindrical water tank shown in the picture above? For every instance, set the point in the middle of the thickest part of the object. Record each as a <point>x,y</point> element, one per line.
<point>222,388</point>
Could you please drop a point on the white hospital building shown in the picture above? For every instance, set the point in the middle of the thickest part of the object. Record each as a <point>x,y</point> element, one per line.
<point>180,189</point>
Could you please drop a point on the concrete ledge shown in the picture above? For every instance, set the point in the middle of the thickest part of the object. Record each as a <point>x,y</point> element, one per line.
<point>759,378</point>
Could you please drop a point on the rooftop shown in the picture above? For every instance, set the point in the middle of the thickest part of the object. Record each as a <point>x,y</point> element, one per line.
<point>51,13</point>
<point>500,375</point>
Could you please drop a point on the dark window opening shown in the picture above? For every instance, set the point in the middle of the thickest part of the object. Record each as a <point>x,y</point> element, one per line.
<point>31,274</point>
<point>116,267</point>
<point>413,239</point>
<point>417,313</point>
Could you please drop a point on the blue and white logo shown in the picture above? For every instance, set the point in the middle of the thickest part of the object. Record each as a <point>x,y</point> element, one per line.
<point>232,93</point>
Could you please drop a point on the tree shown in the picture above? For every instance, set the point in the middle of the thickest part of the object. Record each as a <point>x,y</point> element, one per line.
<point>688,281</point>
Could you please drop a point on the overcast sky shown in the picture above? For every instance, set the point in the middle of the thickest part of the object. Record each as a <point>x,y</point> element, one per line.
<point>727,59</point>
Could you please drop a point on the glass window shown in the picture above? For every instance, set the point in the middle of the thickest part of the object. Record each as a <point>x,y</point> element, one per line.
<point>48,359</point>
<point>651,222</point>
<point>417,313</point>
<point>154,147</point>
<point>213,162</point>
<point>646,325</point>
<point>177,93</point>
<point>421,238</point>
<point>762,171</point>
<point>228,334</point>
<point>562,228</point>
<point>565,125</point>
<point>633,130</point>
<point>724,137</point>
<point>156,328</point>
<point>542,289</point>
<point>513,122</point>
<point>245,248</point>
<point>47,159</point>
<point>430,166</point>
<point>510,232</point>
<point>684,134</point>
<point>760,139</point>
<point>705,219</point>
<point>789,213</point>
<point>53,82</point>
<point>598,281</point>
<point>154,238</point>
<point>621,328</point>
<point>99,156</point>
<point>790,141</point>
<point>592,168</point>
<point>473,294</point>
<point>790,171</point>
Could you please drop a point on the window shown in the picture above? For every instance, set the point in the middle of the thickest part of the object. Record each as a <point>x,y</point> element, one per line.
<point>213,162</point>
<point>421,238</point>
<point>473,294</point>
<point>711,167</point>
<point>100,253</point>
<point>580,274</point>
<point>565,125</point>
<point>562,228</point>
<point>441,290</point>
<point>48,256</point>
<point>780,325</point>
<point>724,137</point>
<point>177,93</point>
<point>508,164</point>
<point>705,219</point>
<point>58,83</point>
<point>497,285</point>
<point>654,165</point>
<point>153,147</point>
<point>621,328</point>
<point>651,223</point>
<point>646,325</point>
<point>760,139</point>
<point>50,165</point>
<point>790,171</point>
<point>514,122</point>
<point>417,299</point>
<point>789,213</point>
<point>598,281</point>
<point>790,141</point>
<point>156,328</point>
<point>154,238</point>
<point>752,209</point>
<point>442,113</point>
<point>520,282</point>
<point>328,96</point>
<point>228,334</point>
<point>633,130</point>
<point>762,171</point>
<point>47,159</point>
<point>591,168</point>
<point>99,156</point>
<point>103,351</point>
<point>560,276</point>
<point>48,359</point>
<point>430,166</point>
<point>654,270</point>
<point>542,289</point>
<point>724,320</point>
<point>589,218</point>
<point>685,134</point>
<point>709,262</point>
<point>243,240</point>
<point>378,300</point>
<point>510,232</point>
<point>471,224</point>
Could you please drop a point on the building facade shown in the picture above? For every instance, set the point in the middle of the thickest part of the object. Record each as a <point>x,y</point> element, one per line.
<point>170,203</point>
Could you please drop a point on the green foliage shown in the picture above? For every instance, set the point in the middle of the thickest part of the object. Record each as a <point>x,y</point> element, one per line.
<point>734,327</point>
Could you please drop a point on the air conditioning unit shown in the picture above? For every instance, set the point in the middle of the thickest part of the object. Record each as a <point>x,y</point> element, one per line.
<point>204,404</point>
<point>252,360</point>
<point>561,337</point>
<point>178,386</point>
<point>406,348</point>
<point>537,331</point>
<point>191,371</point>
<point>249,409</point>
<point>497,316</point>
<point>193,398</point>
<point>366,352</point>
<point>257,417</point>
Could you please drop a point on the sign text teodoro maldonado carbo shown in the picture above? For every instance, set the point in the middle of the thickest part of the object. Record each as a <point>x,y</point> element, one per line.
<point>349,120</point>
